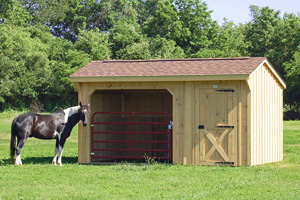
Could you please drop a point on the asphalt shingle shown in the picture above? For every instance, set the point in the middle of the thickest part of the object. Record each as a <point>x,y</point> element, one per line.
<point>174,67</point>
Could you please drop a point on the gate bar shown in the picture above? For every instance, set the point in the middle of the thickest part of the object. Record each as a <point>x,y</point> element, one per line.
<point>149,150</point>
<point>131,133</point>
<point>128,141</point>
<point>128,132</point>
<point>130,157</point>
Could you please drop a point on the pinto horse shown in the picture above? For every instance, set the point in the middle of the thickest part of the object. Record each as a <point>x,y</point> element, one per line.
<point>57,125</point>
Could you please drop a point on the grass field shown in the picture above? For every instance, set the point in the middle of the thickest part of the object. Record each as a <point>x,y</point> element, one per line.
<point>38,179</point>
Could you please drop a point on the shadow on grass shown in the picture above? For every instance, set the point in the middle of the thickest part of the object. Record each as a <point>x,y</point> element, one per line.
<point>41,160</point>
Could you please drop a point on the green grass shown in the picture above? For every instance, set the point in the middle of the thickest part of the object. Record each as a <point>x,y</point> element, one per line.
<point>38,179</point>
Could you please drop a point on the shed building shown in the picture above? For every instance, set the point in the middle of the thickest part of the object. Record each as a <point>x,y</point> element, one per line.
<point>190,111</point>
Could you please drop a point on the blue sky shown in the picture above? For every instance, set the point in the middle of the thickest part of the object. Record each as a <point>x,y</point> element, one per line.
<point>238,10</point>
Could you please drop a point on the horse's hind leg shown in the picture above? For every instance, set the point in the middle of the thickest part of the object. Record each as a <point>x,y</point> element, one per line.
<point>21,142</point>
<point>60,150</point>
<point>56,152</point>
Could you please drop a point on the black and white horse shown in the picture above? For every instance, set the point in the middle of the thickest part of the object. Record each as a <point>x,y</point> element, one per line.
<point>57,126</point>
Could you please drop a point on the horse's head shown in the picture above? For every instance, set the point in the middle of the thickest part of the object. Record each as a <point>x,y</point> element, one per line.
<point>84,113</point>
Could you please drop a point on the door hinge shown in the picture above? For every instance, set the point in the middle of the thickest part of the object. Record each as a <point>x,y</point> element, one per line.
<point>225,126</point>
<point>225,90</point>
<point>225,163</point>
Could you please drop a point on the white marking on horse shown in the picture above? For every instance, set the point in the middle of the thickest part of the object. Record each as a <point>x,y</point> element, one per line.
<point>18,160</point>
<point>70,111</point>
<point>55,156</point>
<point>57,134</point>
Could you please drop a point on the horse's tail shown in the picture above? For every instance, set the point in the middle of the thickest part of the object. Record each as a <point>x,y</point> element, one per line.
<point>13,140</point>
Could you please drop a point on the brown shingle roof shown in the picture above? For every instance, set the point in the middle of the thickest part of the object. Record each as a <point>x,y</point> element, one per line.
<point>175,67</point>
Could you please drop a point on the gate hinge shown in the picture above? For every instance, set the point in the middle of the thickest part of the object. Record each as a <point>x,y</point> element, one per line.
<point>92,153</point>
<point>225,90</point>
<point>92,125</point>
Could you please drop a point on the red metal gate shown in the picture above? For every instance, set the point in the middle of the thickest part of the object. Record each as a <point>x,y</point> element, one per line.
<point>131,135</point>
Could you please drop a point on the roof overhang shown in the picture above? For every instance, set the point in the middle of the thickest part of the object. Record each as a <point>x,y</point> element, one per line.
<point>160,78</point>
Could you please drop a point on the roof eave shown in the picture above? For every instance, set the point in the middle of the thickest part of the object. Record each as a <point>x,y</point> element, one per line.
<point>161,78</point>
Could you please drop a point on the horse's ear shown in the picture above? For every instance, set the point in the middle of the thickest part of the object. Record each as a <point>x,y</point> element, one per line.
<point>80,104</point>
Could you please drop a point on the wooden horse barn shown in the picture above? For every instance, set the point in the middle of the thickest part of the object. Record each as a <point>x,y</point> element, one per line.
<point>190,111</point>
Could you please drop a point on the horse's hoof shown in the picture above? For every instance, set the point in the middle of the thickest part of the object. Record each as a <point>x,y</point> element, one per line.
<point>53,163</point>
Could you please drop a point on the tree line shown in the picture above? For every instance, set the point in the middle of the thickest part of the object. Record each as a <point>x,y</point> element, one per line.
<point>42,42</point>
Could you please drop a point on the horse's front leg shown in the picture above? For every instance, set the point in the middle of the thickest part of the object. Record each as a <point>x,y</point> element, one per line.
<point>60,149</point>
<point>56,151</point>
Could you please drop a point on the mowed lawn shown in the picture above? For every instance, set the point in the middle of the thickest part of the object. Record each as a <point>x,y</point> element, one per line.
<point>38,179</point>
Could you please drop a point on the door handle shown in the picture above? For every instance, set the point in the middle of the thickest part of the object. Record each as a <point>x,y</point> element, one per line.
<point>201,127</point>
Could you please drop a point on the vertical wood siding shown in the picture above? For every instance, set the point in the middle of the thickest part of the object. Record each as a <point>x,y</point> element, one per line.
<point>266,117</point>
<point>258,110</point>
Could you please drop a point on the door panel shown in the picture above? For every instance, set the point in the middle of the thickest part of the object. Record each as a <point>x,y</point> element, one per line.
<point>215,139</point>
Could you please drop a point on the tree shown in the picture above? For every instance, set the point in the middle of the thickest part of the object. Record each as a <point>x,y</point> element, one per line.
<point>229,42</point>
<point>35,67</point>
<point>164,22</point>
<point>135,51</point>
<point>198,28</point>
<point>125,37</point>
<point>292,93</point>
<point>162,48</point>
<point>13,13</point>
<point>94,43</point>
<point>287,40</point>
<point>25,68</point>
<point>261,34</point>
<point>91,14</point>
<point>45,11</point>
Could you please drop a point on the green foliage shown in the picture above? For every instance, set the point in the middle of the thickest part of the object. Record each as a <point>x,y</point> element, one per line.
<point>164,22</point>
<point>25,69</point>
<point>13,13</point>
<point>292,76</point>
<point>94,43</point>
<point>31,69</point>
<point>127,41</point>
<point>230,42</point>
<point>45,11</point>
<point>199,29</point>
<point>262,30</point>
<point>42,42</point>
<point>135,51</point>
<point>162,48</point>
<point>277,38</point>
<point>273,37</point>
